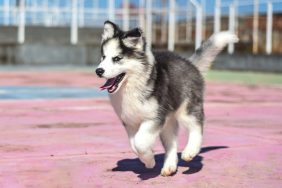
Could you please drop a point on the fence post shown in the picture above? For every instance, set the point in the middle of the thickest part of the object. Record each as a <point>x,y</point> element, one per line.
<point>203,5</point>
<point>217,12</point>
<point>198,27</point>
<point>81,13</point>
<point>189,22</point>
<point>231,26</point>
<point>171,25</point>
<point>6,12</point>
<point>125,15</point>
<point>269,28</point>
<point>46,13</point>
<point>57,12</point>
<point>74,26</point>
<point>21,23</point>
<point>95,11</point>
<point>163,22</point>
<point>141,14</point>
<point>255,26</point>
<point>149,24</point>
<point>111,10</point>
<point>199,14</point>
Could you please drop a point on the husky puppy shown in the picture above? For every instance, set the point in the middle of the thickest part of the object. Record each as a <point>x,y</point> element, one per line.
<point>153,92</point>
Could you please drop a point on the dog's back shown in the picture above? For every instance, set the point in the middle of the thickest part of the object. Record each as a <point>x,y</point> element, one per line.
<point>176,80</point>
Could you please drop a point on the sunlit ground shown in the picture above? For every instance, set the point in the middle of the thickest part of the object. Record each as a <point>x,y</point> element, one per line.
<point>57,129</point>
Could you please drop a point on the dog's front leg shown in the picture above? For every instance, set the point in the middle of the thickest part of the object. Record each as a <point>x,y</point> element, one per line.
<point>131,132</point>
<point>144,141</point>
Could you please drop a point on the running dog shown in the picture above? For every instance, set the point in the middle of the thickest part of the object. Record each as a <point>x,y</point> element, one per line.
<point>152,92</point>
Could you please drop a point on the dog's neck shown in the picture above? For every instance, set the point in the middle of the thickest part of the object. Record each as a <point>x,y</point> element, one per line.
<point>150,57</point>
<point>140,82</point>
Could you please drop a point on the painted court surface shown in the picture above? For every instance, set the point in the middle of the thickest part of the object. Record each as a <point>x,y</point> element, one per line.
<point>58,130</point>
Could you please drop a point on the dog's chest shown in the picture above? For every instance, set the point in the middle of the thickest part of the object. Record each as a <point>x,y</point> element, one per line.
<point>132,108</point>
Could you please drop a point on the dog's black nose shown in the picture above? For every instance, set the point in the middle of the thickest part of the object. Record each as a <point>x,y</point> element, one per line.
<point>100,72</point>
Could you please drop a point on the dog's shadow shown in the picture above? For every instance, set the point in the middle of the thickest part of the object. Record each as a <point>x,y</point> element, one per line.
<point>137,167</point>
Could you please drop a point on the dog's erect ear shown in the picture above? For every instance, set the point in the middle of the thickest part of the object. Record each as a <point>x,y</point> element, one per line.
<point>110,30</point>
<point>133,38</point>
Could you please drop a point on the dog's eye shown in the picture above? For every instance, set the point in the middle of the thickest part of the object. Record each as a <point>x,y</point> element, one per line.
<point>103,57</point>
<point>117,58</point>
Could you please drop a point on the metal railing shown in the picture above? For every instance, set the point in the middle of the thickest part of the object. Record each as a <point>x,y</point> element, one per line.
<point>152,15</point>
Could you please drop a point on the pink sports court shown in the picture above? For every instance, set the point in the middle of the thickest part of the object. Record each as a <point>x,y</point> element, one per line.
<point>59,130</point>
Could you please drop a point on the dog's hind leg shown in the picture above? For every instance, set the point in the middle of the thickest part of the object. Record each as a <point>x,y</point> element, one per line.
<point>144,141</point>
<point>169,141</point>
<point>192,118</point>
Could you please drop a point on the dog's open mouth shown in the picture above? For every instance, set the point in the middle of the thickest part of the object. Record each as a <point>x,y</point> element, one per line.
<point>112,84</point>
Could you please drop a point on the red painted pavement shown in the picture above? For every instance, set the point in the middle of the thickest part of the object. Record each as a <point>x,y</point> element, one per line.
<point>80,142</point>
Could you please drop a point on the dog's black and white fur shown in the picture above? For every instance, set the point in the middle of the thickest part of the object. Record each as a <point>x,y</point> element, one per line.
<point>153,92</point>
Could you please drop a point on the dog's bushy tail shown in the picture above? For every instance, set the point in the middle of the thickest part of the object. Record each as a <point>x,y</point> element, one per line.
<point>205,55</point>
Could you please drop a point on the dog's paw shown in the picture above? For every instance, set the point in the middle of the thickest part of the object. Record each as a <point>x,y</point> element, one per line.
<point>150,164</point>
<point>168,170</point>
<point>188,155</point>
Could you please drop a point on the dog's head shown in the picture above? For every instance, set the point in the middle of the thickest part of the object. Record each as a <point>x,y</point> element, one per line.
<point>122,54</point>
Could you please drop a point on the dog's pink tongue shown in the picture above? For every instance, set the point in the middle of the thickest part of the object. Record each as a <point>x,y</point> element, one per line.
<point>109,83</point>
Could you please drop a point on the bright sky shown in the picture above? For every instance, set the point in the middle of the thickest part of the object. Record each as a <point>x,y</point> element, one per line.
<point>209,4</point>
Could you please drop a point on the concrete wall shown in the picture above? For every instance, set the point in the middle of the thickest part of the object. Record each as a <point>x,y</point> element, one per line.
<point>8,35</point>
<point>50,35</point>
<point>246,62</point>
<point>50,54</point>
<point>56,54</point>
<point>51,46</point>
<point>261,63</point>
